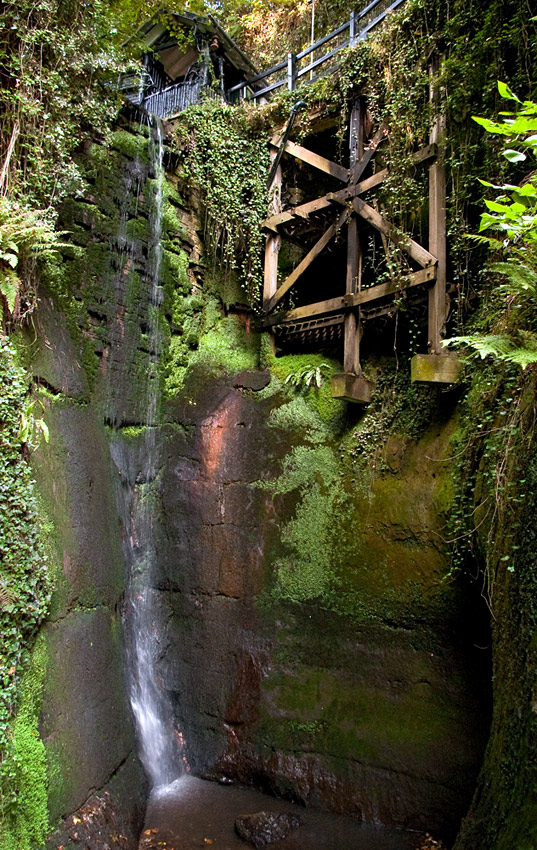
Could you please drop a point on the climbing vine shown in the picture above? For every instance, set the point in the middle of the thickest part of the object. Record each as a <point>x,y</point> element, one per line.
<point>229,164</point>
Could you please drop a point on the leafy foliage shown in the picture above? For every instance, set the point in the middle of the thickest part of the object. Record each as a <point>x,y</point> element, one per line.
<point>310,375</point>
<point>222,157</point>
<point>513,214</point>
<point>24,581</point>
<point>25,236</point>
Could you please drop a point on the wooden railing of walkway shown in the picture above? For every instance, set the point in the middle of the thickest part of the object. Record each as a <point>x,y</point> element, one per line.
<point>301,68</point>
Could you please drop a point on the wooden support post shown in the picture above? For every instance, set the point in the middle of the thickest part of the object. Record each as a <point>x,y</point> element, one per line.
<point>353,331</point>
<point>437,218</point>
<point>350,385</point>
<point>291,71</point>
<point>273,240</point>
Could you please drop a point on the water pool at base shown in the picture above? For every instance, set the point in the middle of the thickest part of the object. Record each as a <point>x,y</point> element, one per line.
<point>191,814</point>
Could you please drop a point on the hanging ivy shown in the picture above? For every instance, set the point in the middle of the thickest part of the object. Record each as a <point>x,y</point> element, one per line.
<point>224,159</point>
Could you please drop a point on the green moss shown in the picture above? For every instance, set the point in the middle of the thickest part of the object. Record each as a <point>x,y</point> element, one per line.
<point>225,348</point>
<point>320,398</point>
<point>307,572</point>
<point>304,563</point>
<point>132,432</point>
<point>138,229</point>
<point>25,817</point>
<point>297,415</point>
<point>174,273</point>
<point>131,144</point>
<point>210,345</point>
<point>343,718</point>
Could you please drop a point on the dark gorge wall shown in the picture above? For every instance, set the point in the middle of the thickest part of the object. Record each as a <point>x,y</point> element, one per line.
<point>313,646</point>
<point>90,357</point>
<point>308,638</point>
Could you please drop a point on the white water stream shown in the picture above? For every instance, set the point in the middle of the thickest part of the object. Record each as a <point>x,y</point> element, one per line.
<point>158,740</point>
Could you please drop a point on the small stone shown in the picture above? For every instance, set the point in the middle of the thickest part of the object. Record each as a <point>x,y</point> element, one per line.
<point>264,828</point>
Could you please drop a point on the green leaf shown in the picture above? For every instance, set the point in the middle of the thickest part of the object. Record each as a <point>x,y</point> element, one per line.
<point>496,207</point>
<point>514,156</point>
<point>528,190</point>
<point>11,259</point>
<point>506,92</point>
<point>492,126</point>
<point>42,426</point>
<point>491,185</point>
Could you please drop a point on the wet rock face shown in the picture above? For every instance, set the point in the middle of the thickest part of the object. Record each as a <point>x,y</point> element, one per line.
<point>264,828</point>
<point>368,707</point>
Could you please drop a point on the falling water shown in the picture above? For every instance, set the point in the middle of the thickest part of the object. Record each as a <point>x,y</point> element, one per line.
<point>158,740</point>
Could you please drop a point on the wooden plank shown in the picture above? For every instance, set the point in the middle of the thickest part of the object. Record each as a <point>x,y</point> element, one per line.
<point>419,254</point>
<point>319,246</point>
<point>358,168</point>
<point>343,195</point>
<point>346,302</point>
<point>325,201</point>
<point>314,159</point>
<point>437,308</point>
<point>382,290</point>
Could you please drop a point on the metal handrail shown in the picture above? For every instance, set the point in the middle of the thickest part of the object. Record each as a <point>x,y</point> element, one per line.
<point>326,38</point>
<point>293,76</point>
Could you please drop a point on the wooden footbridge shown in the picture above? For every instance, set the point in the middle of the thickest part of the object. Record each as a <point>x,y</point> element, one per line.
<point>352,210</point>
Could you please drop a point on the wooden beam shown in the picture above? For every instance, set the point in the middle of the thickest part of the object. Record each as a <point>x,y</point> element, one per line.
<point>437,311</point>
<point>358,168</point>
<point>343,195</point>
<point>423,154</point>
<point>419,254</point>
<point>347,302</point>
<point>315,160</point>
<point>340,197</point>
<point>273,240</point>
<point>319,246</point>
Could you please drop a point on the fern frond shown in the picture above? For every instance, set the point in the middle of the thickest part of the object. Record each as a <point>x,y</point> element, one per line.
<point>7,596</point>
<point>522,279</point>
<point>521,351</point>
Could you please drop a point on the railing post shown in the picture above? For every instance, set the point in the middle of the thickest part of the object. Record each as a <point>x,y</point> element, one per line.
<point>352,29</point>
<point>291,71</point>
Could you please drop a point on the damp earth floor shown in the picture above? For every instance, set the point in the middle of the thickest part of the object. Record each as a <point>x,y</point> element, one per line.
<point>194,814</point>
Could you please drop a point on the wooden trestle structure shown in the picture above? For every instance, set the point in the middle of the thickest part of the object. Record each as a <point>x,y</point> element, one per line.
<point>348,208</point>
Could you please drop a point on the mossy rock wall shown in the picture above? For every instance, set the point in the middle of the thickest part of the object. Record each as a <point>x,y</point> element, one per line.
<point>91,356</point>
<point>311,640</point>
<point>315,644</point>
<point>84,695</point>
<point>504,809</point>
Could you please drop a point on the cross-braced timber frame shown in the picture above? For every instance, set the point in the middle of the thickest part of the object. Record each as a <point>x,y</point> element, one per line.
<point>350,210</point>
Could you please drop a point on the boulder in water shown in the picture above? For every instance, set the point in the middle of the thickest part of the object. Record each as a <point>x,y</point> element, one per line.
<point>264,828</point>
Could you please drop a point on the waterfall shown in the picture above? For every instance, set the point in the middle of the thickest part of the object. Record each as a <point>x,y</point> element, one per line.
<point>159,742</point>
